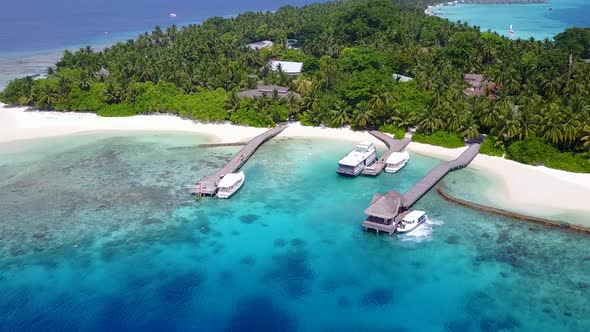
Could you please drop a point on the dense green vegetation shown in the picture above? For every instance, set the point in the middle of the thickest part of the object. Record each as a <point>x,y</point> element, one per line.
<point>440,138</point>
<point>350,49</point>
<point>491,147</point>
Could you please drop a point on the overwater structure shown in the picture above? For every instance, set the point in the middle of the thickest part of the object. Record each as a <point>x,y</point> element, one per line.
<point>387,210</point>
<point>208,185</point>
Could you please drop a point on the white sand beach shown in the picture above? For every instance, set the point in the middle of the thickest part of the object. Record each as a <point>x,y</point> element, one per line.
<point>534,190</point>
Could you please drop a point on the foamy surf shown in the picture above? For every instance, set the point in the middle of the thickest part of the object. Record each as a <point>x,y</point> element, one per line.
<point>423,232</point>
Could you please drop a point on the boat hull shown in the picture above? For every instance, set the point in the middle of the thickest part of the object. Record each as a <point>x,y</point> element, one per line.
<point>409,229</point>
<point>346,170</point>
<point>228,194</point>
<point>395,169</point>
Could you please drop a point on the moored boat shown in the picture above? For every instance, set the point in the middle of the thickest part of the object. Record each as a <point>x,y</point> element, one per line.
<point>229,184</point>
<point>397,161</point>
<point>353,164</point>
<point>411,221</point>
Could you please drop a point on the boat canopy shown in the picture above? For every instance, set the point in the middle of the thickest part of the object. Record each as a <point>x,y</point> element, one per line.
<point>230,179</point>
<point>398,157</point>
<point>414,216</point>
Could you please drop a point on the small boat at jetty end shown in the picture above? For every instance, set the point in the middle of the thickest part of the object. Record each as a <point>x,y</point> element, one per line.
<point>229,184</point>
<point>397,161</point>
<point>411,221</point>
<point>353,164</point>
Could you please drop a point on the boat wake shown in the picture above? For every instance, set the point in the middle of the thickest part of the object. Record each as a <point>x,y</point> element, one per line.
<point>423,232</point>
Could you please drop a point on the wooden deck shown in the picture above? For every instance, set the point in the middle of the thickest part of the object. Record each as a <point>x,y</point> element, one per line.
<point>207,186</point>
<point>393,145</point>
<point>426,183</point>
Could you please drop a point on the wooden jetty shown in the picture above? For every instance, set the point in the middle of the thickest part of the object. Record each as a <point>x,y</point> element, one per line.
<point>393,145</point>
<point>387,211</point>
<point>217,145</point>
<point>207,186</point>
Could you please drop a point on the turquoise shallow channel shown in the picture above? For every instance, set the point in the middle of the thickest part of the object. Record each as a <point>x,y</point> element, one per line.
<point>98,233</point>
<point>539,21</point>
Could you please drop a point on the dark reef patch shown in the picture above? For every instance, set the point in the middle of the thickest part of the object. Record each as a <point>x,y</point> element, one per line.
<point>452,239</point>
<point>182,288</point>
<point>492,325</point>
<point>297,242</point>
<point>292,272</point>
<point>248,260</point>
<point>377,298</point>
<point>260,314</point>
<point>248,218</point>
<point>279,243</point>
<point>151,221</point>
<point>457,326</point>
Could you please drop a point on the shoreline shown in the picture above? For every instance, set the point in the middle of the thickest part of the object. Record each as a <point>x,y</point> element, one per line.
<point>532,190</point>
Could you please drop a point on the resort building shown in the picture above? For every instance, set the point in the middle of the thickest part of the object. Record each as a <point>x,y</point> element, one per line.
<point>290,68</point>
<point>292,43</point>
<point>477,85</point>
<point>401,78</point>
<point>382,212</point>
<point>260,45</point>
<point>267,90</point>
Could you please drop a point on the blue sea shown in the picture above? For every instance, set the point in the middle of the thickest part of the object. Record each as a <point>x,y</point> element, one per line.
<point>538,21</point>
<point>99,234</point>
<point>34,33</point>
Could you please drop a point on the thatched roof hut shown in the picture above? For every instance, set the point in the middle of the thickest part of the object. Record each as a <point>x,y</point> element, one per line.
<point>385,206</point>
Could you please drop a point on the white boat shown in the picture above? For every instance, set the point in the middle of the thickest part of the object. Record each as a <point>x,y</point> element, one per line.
<point>411,221</point>
<point>397,161</point>
<point>172,15</point>
<point>229,184</point>
<point>353,164</point>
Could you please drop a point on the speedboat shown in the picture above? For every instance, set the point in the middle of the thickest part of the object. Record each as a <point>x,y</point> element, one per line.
<point>411,221</point>
<point>397,161</point>
<point>353,164</point>
<point>229,184</point>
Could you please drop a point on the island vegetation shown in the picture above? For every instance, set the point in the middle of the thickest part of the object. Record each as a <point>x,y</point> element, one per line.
<point>538,113</point>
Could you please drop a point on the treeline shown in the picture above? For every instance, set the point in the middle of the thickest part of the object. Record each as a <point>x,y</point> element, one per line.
<point>350,50</point>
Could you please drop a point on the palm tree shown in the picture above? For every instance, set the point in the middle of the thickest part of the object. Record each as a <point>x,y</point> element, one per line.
<point>363,115</point>
<point>586,137</point>
<point>430,121</point>
<point>327,66</point>
<point>340,114</point>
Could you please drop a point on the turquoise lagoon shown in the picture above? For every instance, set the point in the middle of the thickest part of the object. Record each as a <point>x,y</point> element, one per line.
<point>98,234</point>
<point>539,21</point>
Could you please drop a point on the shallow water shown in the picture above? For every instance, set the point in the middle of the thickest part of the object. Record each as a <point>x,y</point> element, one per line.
<point>98,233</point>
<point>539,21</point>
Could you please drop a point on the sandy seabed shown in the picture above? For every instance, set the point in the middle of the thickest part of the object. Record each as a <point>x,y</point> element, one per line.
<point>538,191</point>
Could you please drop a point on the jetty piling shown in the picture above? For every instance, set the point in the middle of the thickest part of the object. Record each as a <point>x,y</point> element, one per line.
<point>207,186</point>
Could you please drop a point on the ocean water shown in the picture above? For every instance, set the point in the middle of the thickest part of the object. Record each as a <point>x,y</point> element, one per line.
<point>34,33</point>
<point>538,21</point>
<point>98,234</point>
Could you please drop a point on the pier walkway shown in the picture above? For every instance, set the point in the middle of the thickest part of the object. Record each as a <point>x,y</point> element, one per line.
<point>423,186</point>
<point>393,145</point>
<point>396,206</point>
<point>207,186</point>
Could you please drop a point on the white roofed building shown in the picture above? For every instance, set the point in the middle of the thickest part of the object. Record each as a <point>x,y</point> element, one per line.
<point>260,45</point>
<point>288,67</point>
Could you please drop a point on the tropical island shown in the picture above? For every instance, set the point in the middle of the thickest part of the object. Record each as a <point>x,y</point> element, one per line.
<point>364,63</point>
